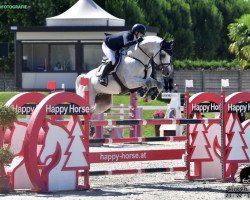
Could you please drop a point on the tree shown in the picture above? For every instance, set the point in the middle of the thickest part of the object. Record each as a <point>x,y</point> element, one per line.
<point>125,9</point>
<point>239,33</point>
<point>154,14</point>
<point>207,25</point>
<point>35,15</point>
<point>179,16</point>
<point>230,10</point>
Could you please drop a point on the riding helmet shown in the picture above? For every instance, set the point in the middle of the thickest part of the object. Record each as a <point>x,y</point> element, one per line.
<point>139,28</point>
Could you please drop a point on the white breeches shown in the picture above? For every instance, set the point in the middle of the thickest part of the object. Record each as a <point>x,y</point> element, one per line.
<point>109,53</point>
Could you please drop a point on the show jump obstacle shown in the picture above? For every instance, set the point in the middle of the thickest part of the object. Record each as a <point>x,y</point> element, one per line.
<point>51,154</point>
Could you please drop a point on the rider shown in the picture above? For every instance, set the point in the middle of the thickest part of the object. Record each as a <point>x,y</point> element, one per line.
<point>114,43</point>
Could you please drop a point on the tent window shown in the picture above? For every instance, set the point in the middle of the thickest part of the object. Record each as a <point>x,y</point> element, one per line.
<point>92,56</point>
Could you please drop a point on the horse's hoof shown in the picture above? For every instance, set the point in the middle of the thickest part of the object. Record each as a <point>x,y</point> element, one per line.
<point>146,99</point>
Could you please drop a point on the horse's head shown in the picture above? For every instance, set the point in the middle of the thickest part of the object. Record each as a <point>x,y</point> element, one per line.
<point>56,140</point>
<point>162,58</point>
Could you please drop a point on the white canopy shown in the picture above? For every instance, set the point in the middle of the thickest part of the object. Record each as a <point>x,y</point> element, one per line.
<point>85,13</point>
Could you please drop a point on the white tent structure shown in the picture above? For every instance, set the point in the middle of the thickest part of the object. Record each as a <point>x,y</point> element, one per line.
<point>85,13</point>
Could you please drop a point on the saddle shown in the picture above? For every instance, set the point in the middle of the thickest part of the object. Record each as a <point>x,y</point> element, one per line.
<point>104,63</point>
<point>101,68</point>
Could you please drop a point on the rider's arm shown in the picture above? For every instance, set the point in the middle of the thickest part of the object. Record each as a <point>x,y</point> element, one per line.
<point>130,43</point>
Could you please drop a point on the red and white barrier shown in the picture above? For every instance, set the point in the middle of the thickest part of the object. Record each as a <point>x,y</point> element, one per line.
<point>53,154</point>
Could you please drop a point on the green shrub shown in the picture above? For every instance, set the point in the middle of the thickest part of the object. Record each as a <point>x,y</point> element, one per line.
<point>7,116</point>
<point>5,155</point>
<point>203,64</point>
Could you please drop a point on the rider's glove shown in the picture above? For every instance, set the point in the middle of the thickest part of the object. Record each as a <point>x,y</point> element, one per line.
<point>140,39</point>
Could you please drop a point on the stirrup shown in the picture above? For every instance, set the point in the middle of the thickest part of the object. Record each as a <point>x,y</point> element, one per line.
<point>103,81</point>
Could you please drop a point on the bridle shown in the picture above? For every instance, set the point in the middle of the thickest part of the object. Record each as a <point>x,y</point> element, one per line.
<point>151,62</point>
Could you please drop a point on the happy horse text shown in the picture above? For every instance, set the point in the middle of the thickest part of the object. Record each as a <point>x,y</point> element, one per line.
<point>67,109</point>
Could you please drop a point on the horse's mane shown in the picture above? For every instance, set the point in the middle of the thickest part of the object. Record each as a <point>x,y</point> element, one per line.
<point>147,39</point>
<point>152,38</point>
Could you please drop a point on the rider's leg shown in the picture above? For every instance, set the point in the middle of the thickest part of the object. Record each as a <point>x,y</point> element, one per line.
<point>110,65</point>
<point>109,53</point>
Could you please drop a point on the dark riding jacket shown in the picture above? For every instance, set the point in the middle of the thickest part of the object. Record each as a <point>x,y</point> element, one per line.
<point>119,40</point>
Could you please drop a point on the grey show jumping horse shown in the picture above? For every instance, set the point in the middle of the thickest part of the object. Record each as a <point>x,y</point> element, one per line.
<point>134,71</point>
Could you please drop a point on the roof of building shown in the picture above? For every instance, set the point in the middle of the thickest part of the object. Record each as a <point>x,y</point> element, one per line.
<point>85,13</point>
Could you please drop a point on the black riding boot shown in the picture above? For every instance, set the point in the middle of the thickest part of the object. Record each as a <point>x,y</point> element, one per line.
<point>103,78</point>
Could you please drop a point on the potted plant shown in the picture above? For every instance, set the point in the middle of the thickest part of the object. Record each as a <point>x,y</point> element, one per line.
<point>158,115</point>
<point>7,117</point>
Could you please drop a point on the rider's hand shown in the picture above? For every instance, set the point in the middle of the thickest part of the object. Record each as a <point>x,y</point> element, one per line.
<point>140,39</point>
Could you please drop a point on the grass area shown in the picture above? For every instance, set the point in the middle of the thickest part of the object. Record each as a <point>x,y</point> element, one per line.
<point>5,96</point>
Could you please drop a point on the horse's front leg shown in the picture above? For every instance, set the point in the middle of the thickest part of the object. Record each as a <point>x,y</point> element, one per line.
<point>150,82</point>
<point>155,90</point>
<point>135,82</point>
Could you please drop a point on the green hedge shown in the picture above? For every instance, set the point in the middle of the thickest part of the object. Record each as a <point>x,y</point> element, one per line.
<point>203,64</point>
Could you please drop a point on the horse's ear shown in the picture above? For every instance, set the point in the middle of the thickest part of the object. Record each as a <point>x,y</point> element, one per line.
<point>167,46</point>
<point>163,43</point>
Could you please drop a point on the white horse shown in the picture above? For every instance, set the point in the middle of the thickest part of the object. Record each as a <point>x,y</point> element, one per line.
<point>134,71</point>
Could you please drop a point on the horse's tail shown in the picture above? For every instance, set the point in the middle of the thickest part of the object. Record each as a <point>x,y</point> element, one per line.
<point>80,88</point>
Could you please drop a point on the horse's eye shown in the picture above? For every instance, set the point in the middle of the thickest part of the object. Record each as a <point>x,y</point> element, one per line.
<point>162,56</point>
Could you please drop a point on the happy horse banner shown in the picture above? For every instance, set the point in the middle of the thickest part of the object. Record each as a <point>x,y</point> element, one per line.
<point>203,139</point>
<point>237,132</point>
<point>61,109</point>
<point>212,146</point>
